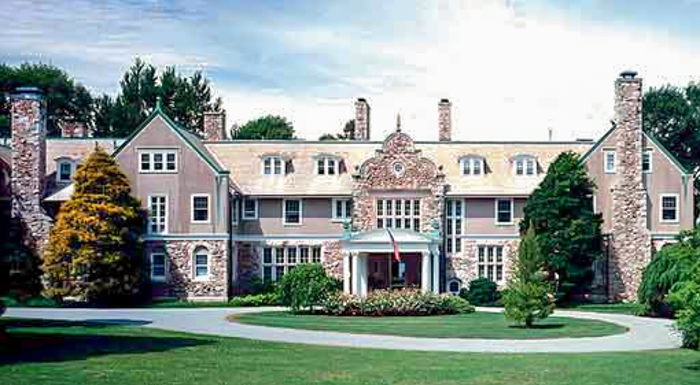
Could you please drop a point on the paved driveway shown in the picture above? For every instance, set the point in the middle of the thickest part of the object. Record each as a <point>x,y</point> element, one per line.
<point>643,334</point>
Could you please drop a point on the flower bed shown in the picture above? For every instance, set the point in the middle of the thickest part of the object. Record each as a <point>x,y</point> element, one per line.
<point>407,302</point>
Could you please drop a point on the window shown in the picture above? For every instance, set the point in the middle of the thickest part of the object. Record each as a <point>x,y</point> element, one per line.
<point>273,165</point>
<point>504,211</point>
<point>157,214</point>
<point>250,208</point>
<point>453,287</point>
<point>490,262</point>
<point>669,208</point>
<point>525,166</point>
<point>158,161</point>
<point>292,212</point>
<point>398,214</point>
<point>341,209</point>
<point>65,171</point>
<point>472,165</point>
<point>609,162</point>
<point>235,203</point>
<point>454,209</point>
<point>201,263</point>
<point>646,161</point>
<point>200,208</point>
<point>158,266</point>
<point>277,261</point>
<point>327,166</point>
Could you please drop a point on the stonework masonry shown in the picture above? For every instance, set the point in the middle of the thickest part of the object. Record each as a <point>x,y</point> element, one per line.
<point>444,120</point>
<point>214,125</point>
<point>28,165</point>
<point>464,265</point>
<point>362,117</point>
<point>631,240</point>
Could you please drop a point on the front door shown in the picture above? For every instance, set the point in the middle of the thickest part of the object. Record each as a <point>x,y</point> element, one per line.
<point>384,272</point>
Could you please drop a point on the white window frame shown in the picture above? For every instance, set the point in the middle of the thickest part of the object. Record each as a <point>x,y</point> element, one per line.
<point>661,208</point>
<point>284,211</point>
<point>453,231</point>
<point>235,210</point>
<point>606,169</point>
<point>327,160</point>
<point>150,210</point>
<point>159,278</point>
<point>346,208</point>
<point>650,154</point>
<point>257,209</point>
<point>383,217</point>
<point>59,164</point>
<point>496,219</point>
<point>490,266</point>
<point>151,161</point>
<point>198,252</point>
<point>525,162</point>
<point>459,286</point>
<point>302,254</point>
<point>471,161</point>
<point>273,159</point>
<point>192,217</point>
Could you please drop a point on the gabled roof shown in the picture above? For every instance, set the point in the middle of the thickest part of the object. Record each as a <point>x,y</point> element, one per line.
<point>189,138</point>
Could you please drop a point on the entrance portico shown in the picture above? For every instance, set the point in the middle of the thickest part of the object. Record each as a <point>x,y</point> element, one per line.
<point>368,261</point>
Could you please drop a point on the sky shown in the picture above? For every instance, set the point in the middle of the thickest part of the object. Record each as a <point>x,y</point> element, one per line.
<point>511,68</point>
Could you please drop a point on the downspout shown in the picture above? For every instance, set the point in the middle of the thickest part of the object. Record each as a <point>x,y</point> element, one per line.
<point>441,255</point>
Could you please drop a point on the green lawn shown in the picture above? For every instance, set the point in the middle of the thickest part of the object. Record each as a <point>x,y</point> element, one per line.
<point>91,353</point>
<point>474,325</point>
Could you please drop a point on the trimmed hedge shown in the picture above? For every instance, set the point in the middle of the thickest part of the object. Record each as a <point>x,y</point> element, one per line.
<point>407,302</point>
<point>253,300</point>
<point>482,292</point>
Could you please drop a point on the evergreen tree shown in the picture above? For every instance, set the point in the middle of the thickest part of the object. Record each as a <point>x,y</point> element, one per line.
<point>94,250</point>
<point>347,134</point>
<point>266,127</point>
<point>568,231</point>
<point>529,296</point>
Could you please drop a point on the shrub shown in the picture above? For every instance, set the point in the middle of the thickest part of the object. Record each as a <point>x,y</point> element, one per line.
<point>253,300</point>
<point>686,298</point>
<point>306,286</point>
<point>258,286</point>
<point>407,302</point>
<point>528,297</point>
<point>671,265</point>
<point>482,292</point>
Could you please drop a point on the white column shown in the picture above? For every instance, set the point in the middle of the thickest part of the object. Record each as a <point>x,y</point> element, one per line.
<point>346,273</point>
<point>355,279</point>
<point>436,272</point>
<point>425,278</point>
<point>362,290</point>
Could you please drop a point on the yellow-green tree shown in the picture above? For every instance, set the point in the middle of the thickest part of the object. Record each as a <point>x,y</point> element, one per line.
<point>94,250</point>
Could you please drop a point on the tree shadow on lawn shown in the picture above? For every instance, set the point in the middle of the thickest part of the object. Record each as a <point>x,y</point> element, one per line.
<point>23,347</point>
<point>538,326</point>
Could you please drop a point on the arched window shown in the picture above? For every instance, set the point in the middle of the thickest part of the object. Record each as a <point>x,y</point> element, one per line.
<point>454,286</point>
<point>472,165</point>
<point>201,263</point>
<point>524,165</point>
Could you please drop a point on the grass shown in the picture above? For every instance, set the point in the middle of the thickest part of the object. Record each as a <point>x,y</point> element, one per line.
<point>102,354</point>
<point>473,325</point>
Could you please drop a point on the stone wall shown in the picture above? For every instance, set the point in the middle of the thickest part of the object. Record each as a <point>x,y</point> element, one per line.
<point>631,241</point>
<point>464,265</point>
<point>362,112</point>
<point>445,120</point>
<point>180,281</point>
<point>29,165</point>
<point>73,130</point>
<point>214,126</point>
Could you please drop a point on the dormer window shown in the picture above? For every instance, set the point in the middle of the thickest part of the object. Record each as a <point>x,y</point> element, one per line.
<point>327,166</point>
<point>64,171</point>
<point>525,165</point>
<point>273,165</point>
<point>472,165</point>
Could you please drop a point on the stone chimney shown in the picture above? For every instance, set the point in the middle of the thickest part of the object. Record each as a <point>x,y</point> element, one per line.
<point>73,129</point>
<point>214,125</point>
<point>362,111</point>
<point>29,164</point>
<point>444,120</point>
<point>631,243</point>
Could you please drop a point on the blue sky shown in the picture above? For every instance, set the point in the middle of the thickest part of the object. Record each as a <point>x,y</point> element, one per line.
<point>512,68</point>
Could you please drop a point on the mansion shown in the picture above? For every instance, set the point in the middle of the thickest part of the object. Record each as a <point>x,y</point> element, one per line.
<point>225,214</point>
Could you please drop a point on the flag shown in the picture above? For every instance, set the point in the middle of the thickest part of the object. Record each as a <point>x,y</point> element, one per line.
<point>397,256</point>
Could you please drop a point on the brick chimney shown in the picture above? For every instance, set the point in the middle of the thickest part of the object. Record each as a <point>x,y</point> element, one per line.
<point>631,242</point>
<point>214,125</point>
<point>444,120</point>
<point>29,164</point>
<point>362,112</point>
<point>73,129</point>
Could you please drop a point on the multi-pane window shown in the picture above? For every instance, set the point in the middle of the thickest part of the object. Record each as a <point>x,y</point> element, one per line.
<point>250,208</point>
<point>157,214</point>
<point>646,161</point>
<point>490,262</point>
<point>201,263</point>
<point>398,214</point>
<point>158,161</point>
<point>472,165</point>
<point>609,160</point>
<point>200,208</point>
<point>277,261</point>
<point>327,166</point>
<point>525,166</point>
<point>504,211</point>
<point>341,209</point>
<point>454,209</point>
<point>65,171</point>
<point>273,165</point>
<point>158,266</point>
<point>292,211</point>
<point>669,208</point>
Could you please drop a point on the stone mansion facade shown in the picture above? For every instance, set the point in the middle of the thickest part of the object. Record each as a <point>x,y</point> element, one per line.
<point>223,214</point>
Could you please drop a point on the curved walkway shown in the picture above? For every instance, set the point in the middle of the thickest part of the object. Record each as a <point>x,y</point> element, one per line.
<point>643,334</point>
